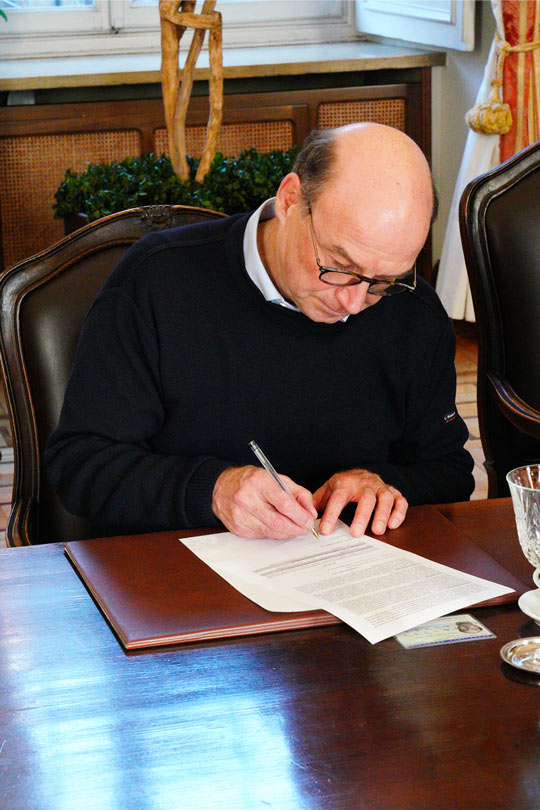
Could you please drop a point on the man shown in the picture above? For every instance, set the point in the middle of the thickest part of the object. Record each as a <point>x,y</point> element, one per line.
<point>282,327</point>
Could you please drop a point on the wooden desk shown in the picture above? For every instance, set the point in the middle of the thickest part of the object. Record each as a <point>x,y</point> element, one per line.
<point>303,720</point>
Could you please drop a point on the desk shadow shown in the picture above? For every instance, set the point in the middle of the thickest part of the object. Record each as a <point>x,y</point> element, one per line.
<point>519,675</point>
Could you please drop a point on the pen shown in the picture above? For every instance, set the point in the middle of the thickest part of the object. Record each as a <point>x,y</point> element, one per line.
<point>269,468</point>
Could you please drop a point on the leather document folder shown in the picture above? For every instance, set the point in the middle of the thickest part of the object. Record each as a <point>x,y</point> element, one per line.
<point>155,591</point>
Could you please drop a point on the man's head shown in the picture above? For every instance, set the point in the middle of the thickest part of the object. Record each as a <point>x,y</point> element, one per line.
<point>370,193</point>
<point>315,162</point>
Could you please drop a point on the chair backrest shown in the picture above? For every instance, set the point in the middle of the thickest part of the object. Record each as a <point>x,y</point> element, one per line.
<point>500,230</point>
<point>43,302</point>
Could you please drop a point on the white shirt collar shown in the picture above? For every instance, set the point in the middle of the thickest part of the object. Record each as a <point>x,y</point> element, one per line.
<point>254,266</point>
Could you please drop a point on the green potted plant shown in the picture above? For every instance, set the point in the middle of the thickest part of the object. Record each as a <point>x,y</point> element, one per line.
<point>232,185</point>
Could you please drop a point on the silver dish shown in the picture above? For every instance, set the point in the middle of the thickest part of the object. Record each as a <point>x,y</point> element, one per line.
<point>523,653</point>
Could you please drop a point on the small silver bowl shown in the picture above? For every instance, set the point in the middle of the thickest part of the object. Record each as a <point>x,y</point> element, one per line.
<point>523,653</point>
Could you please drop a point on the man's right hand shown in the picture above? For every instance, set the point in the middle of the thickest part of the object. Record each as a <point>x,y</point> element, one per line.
<point>250,503</point>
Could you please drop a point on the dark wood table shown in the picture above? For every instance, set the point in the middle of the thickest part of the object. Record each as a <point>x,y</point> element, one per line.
<point>301,720</point>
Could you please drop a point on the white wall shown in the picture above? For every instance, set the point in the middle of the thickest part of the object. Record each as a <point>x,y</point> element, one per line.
<point>454,89</point>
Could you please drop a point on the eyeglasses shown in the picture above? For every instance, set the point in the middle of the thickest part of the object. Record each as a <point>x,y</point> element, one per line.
<point>348,278</point>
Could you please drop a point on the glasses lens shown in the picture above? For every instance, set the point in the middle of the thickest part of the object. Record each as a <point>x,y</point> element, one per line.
<point>337,279</point>
<point>384,288</point>
<point>340,279</point>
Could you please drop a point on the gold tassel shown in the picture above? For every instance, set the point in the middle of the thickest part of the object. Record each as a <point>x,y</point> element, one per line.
<point>490,118</point>
<point>494,117</point>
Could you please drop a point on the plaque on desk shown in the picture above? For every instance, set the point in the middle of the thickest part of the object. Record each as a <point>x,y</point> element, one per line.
<point>154,591</point>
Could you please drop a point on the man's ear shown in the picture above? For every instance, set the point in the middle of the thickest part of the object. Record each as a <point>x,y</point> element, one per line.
<point>288,194</point>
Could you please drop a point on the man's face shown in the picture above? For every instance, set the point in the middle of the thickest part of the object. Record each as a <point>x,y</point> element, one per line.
<point>370,249</point>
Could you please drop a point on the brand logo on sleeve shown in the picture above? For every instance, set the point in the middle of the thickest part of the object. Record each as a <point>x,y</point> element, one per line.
<point>449,417</point>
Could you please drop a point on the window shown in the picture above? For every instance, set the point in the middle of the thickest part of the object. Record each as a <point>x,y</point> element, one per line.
<point>82,27</point>
<point>59,16</point>
<point>445,23</point>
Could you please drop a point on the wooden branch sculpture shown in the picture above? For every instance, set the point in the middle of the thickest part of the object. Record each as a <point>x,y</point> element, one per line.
<point>176,17</point>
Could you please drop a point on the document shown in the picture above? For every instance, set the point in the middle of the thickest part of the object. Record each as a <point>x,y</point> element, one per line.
<point>375,588</point>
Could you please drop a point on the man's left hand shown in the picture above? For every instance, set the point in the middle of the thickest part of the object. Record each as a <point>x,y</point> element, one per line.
<point>373,496</point>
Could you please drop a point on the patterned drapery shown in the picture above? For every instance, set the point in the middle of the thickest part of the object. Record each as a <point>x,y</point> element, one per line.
<point>521,75</point>
<point>511,79</point>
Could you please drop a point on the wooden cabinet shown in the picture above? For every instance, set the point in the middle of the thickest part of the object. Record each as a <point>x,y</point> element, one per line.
<point>39,142</point>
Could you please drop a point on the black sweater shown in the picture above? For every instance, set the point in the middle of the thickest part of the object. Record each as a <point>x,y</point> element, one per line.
<point>181,362</point>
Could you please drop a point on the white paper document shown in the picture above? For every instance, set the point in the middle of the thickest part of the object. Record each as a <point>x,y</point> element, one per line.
<point>375,588</point>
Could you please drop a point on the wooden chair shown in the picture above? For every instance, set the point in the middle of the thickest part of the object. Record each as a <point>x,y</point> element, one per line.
<point>500,231</point>
<point>43,302</point>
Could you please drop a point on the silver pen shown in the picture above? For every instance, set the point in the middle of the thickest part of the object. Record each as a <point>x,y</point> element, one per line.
<point>269,468</point>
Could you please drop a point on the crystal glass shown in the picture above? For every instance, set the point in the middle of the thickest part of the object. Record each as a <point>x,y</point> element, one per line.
<point>524,483</point>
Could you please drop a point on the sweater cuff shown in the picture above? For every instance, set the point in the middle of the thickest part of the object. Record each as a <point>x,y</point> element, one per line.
<point>198,496</point>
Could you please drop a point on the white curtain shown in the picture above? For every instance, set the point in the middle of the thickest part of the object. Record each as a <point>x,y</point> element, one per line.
<point>481,154</point>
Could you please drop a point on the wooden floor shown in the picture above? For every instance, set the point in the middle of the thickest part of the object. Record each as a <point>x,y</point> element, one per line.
<point>466,359</point>
<point>466,367</point>
<point>6,468</point>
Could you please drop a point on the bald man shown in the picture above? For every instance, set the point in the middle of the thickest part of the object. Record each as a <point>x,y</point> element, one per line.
<point>302,326</point>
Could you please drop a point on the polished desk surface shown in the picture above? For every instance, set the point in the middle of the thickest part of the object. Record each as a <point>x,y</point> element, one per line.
<point>292,721</point>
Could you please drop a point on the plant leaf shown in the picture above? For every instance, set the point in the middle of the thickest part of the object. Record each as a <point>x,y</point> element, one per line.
<point>232,184</point>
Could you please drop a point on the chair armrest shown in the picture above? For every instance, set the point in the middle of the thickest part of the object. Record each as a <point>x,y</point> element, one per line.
<point>523,416</point>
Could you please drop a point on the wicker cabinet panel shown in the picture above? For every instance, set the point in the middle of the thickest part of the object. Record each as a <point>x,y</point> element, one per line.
<point>389,111</point>
<point>32,167</point>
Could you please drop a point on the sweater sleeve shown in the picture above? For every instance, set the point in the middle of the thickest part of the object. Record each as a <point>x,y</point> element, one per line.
<point>100,457</point>
<point>429,463</point>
